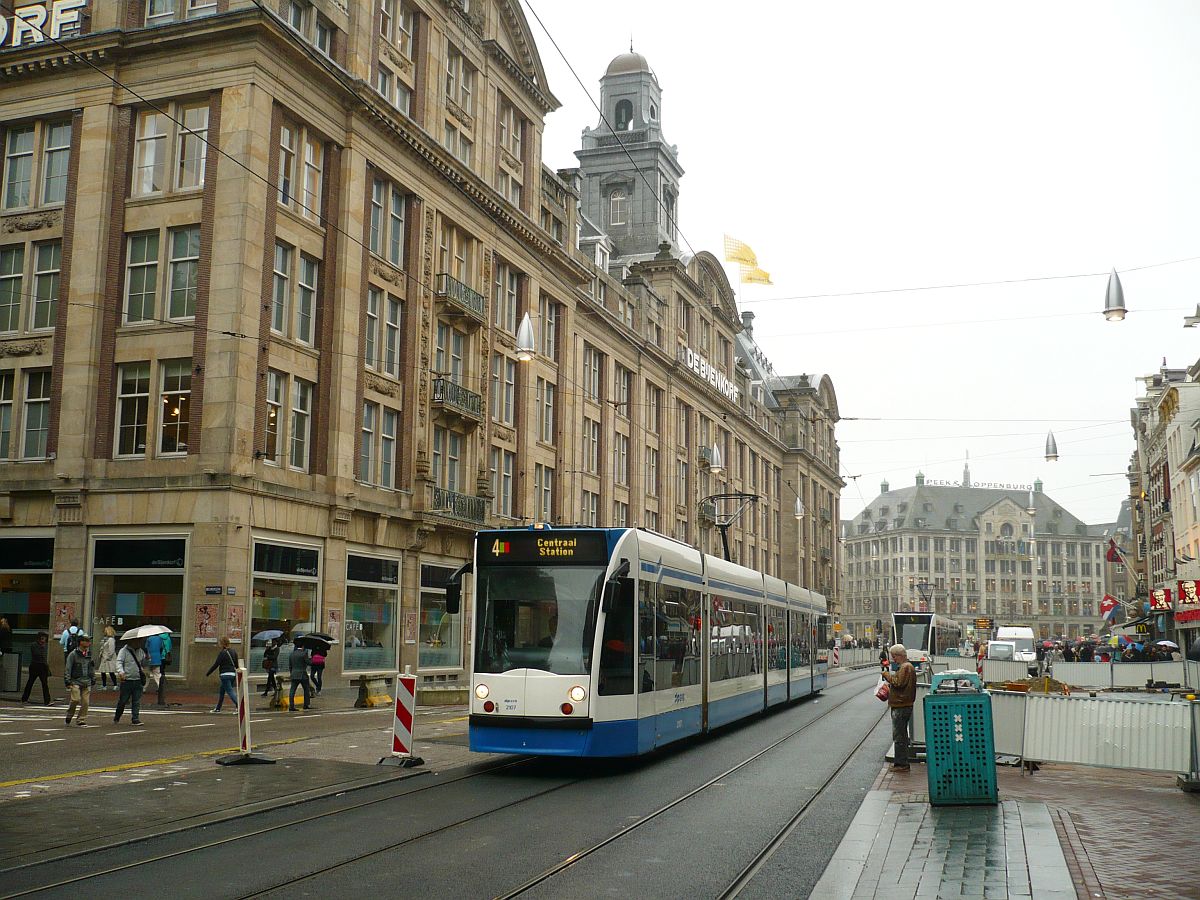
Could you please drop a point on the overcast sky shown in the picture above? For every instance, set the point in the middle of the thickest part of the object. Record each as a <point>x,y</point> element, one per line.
<point>873,146</point>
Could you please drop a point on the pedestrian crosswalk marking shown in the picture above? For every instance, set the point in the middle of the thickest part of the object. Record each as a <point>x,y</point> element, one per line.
<point>42,741</point>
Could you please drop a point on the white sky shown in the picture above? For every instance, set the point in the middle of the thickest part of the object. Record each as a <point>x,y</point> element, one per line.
<point>865,146</point>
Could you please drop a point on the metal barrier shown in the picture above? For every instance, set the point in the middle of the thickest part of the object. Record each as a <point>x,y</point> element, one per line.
<point>1123,734</point>
<point>1008,721</point>
<point>995,670</point>
<point>1122,674</point>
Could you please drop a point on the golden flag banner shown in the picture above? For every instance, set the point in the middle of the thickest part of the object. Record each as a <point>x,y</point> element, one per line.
<point>755,275</point>
<point>738,252</point>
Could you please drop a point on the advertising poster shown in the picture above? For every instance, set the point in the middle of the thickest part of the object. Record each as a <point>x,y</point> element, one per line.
<point>235,622</point>
<point>410,627</point>
<point>1187,598</point>
<point>206,623</point>
<point>63,614</point>
<point>333,623</point>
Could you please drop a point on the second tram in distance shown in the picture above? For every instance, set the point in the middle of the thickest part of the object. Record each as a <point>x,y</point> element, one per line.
<point>925,634</point>
<point>616,641</point>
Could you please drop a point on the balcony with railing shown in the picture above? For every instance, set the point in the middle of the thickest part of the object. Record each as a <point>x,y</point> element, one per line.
<point>458,299</point>
<point>454,400</point>
<point>453,505</point>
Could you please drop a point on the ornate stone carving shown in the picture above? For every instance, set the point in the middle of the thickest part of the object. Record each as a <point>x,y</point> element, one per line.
<point>30,221</point>
<point>23,348</point>
<point>382,386</point>
<point>422,460</point>
<point>397,59</point>
<point>511,161</point>
<point>464,117</point>
<point>420,537</point>
<point>503,433</point>
<point>380,269</point>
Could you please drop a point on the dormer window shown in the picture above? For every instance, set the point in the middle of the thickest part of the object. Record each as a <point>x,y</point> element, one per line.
<point>653,112</point>
<point>618,207</point>
<point>624,115</point>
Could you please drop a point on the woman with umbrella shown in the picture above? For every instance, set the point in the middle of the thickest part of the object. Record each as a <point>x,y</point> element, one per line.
<point>270,664</point>
<point>308,649</point>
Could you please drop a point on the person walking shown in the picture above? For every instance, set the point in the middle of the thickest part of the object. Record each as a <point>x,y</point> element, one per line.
<point>39,667</point>
<point>6,650</point>
<point>132,674</point>
<point>158,648</point>
<point>318,670</point>
<point>107,664</point>
<point>902,693</point>
<point>270,664</point>
<point>226,662</point>
<point>298,663</point>
<point>69,639</point>
<point>78,677</point>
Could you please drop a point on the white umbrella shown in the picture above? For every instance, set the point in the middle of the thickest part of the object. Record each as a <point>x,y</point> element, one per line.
<point>1171,644</point>
<point>144,631</point>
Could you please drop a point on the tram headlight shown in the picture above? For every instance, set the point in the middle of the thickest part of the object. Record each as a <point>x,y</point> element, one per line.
<point>481,691</point>
<point>577,693</point>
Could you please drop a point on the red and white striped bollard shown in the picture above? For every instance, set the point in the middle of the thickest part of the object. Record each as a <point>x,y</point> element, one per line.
<point>402,723</point>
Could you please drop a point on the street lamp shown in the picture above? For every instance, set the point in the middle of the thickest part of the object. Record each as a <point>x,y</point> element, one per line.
<point>526,343</point>
<point>1051,447</point>
<point>716,465</point>
<point>925,589</point>
<point>1114,299</point>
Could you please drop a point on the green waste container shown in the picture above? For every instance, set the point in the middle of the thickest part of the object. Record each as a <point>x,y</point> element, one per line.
<point>960,749</point>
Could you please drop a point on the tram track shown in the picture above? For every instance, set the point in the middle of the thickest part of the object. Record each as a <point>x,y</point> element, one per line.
<point>760,859</point>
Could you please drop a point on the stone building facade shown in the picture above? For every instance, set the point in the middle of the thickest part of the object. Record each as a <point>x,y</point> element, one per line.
<point>969,552</point>
<point>262,268</point>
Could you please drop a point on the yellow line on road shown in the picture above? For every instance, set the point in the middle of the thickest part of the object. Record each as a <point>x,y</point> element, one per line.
<point>167,760</point>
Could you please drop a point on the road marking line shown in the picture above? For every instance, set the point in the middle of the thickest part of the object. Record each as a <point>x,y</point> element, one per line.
<point>309,716</point>
<point>201,725</point>
<point>120,733</point>
<point>48,730</point>
<point>43,741</point>
<point>123,767</point>
<point>10,733</point>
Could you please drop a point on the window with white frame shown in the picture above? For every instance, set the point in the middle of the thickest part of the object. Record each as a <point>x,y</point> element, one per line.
<point>545,410</point>
<point>548,310</point>
<point>460,80</point>
<point>543,489</point>
<point>33,178</point>
<point>651,520</point>
<point>387,229</point>
<point>681,497</point>
<point>300,426</point>
<point>505,295</point>
<point>146,252</point>
<point>512,128</point>
<point>169,149</point>
<point>589,504</point>
<point>620,514</point>
<point>509,187</point>
<point>625,310</point>
<point>367,450</point>
<point>447,459</point>
<point>449,352</point>
<point>133,408</point>
<point>503,464</point>
<point>460,146</point>
<point>457,251</point>
<point>301,168</point>
<point>618,207</point>
<point>391,336</point>
<point>276,428</point>
<point>40,305</point>
<point>504,386</point>
<point>622,386</point>
<point>371,328</point>
<point>591,446</point>
<point>159,12</point>
<point>397,23</point>
<point>388,436</point>
<point>6,413</point>
<point>35,415</point>
<point>593,363</point>
<point>294,284</point>
<point>654,405</point>
<point>621,458</point>
<point>651,471</point>
<point>175,406</point>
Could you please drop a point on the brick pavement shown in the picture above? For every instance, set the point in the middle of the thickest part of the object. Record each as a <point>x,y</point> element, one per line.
<point>1064,831</point>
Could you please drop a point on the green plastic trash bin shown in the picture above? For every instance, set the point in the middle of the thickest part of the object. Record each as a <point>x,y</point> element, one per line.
<point>960,754</point>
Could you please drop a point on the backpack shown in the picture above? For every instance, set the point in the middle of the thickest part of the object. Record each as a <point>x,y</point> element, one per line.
<point>72,639</point>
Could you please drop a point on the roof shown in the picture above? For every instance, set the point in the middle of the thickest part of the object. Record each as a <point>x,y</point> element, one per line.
<point>628,63</point>
<point>955,508</point>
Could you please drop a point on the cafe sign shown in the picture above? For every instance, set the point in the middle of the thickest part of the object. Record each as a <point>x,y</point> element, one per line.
<point>34,23</point>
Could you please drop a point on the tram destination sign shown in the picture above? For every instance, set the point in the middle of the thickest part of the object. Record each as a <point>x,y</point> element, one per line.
<point>510,548</point>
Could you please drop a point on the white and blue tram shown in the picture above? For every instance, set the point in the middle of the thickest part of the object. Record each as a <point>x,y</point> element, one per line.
<point>925,634</point>
<point>615,641</point>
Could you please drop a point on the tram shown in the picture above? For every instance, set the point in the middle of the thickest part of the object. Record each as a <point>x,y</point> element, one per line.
<point>616,641</point>
<point>925,635</point>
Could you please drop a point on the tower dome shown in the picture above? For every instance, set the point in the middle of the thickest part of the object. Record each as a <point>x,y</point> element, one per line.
<point>627,64</point>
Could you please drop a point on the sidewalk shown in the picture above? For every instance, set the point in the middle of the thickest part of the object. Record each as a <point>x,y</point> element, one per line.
<point>330,698</point>
<point>1062,832</point>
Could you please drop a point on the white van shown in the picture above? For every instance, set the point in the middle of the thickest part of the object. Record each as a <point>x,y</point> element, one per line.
<point>1022,638</point>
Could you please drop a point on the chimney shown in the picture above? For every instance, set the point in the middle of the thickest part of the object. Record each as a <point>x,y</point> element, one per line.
<point>748,322</point>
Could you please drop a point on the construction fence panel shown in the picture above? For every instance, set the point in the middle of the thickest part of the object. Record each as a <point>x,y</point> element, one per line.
<point>996,670</point>
<point>1084,674</point>
<point>1123,734</point>
<point>1008,721</point>
<point>1136,674</point>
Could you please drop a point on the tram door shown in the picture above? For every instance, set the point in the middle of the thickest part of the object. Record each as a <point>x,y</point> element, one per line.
<point>705,655</point>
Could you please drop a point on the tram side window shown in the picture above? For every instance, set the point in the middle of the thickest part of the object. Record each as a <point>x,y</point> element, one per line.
<point>822,631</point>
<point>646,638</point>
<point>721,639</point>
<point>753,631</point>
<point>616,651</point>
<point>676,647</point>
<point>776,638</point>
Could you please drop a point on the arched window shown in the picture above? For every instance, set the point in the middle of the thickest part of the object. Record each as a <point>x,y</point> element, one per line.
<point>618,207</point>
<point>1006,530</point>
<point>624,115</point>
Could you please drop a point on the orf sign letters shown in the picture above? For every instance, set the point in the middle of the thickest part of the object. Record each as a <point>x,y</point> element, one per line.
<point>36,22</point>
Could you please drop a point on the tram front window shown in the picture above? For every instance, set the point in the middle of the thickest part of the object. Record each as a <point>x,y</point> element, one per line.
<point>536,617</point>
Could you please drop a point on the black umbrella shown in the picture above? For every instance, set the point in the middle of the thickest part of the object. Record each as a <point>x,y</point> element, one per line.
<point>315,641</point>
<point>1194,650</point>
<point>320,636</point>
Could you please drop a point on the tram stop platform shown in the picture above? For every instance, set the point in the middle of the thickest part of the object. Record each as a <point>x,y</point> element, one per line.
<point>1060,832</point>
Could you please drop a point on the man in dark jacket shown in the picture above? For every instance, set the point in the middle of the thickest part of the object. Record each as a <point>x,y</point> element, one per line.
<point>298,663</point>
<point>78,678</point>
<point>39,667</point>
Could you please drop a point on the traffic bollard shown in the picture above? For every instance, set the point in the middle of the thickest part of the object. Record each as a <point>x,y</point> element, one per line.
<point>245,754</point>
<point>402,723</point>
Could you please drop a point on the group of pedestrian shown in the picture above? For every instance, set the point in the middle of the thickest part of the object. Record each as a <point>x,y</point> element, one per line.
<point>306,670</point>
